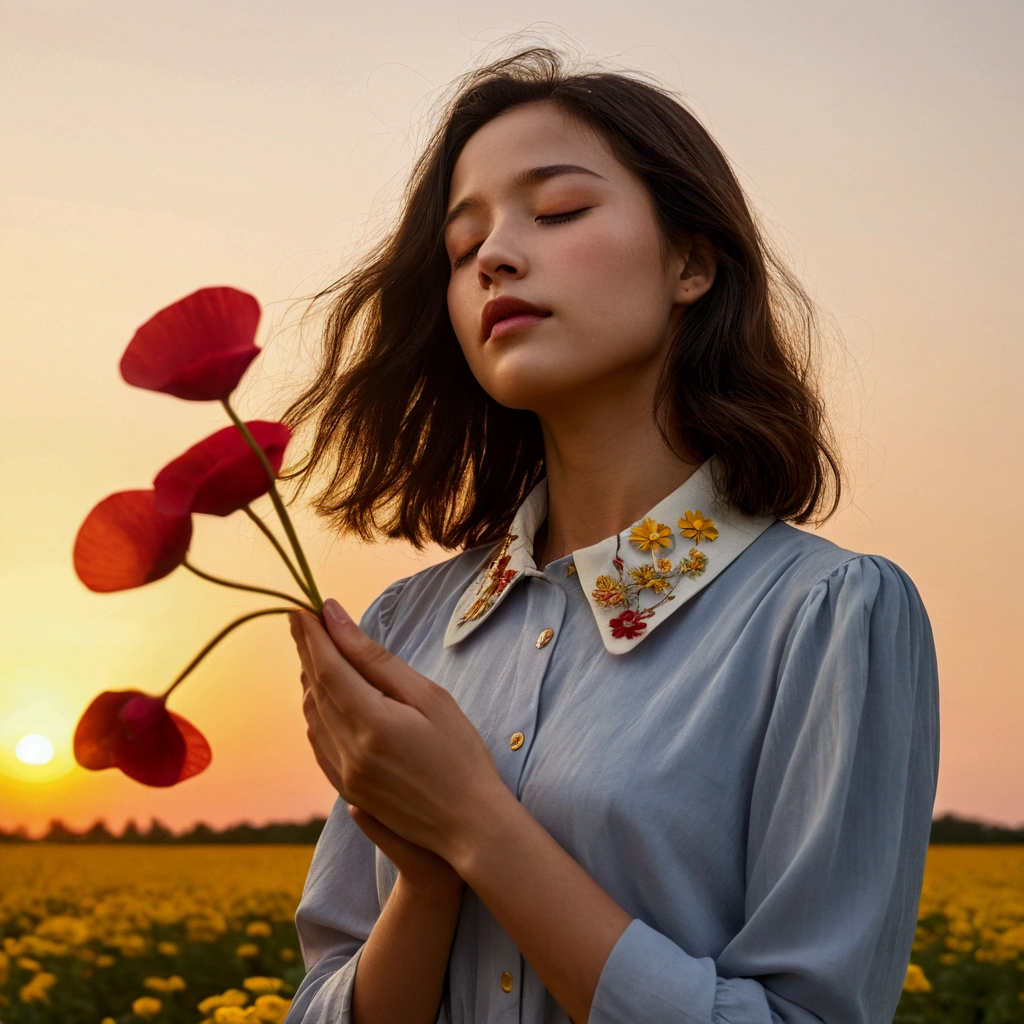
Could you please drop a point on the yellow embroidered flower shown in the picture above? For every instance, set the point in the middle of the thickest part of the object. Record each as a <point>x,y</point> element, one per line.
<point>695,565</point>
<point>664,565</point>
<point>693,526</point>
<point>651,536</point>
<point>609,592</point>
<point>645,577</point>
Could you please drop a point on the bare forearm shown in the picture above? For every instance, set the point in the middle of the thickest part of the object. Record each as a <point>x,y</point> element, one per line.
<point>400,974</point>
<point>562,921</point>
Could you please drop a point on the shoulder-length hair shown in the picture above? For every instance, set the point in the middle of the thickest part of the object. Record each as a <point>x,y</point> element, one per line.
<point>416,449</point>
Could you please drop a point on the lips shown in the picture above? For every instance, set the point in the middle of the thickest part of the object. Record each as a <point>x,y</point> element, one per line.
<point>505,307</point>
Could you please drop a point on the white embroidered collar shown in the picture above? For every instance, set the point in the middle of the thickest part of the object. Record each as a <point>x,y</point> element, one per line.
<point>634,580</point>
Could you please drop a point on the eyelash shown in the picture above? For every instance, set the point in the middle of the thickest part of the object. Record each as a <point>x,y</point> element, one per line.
<point>554,218</point>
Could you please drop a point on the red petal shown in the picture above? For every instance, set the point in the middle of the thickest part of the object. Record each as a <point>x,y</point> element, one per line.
<point>99,728</point>
<point>127,541</point>
<point>197,751</point>
<point>197,348</point>
<point>221,473</point>
<point>151,748</point>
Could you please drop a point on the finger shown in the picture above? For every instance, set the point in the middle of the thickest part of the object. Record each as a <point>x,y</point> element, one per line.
<point>326,766</point>
<point>295,624</point>
<point>335,678</point>
<point>372,660</point>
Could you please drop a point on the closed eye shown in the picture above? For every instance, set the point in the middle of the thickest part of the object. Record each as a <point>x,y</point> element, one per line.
<point>554,218</point>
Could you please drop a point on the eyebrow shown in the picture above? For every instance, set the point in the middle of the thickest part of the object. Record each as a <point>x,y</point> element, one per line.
<point>532,176</point>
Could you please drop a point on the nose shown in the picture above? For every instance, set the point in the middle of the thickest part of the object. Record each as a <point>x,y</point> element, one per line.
<point>499,255</point>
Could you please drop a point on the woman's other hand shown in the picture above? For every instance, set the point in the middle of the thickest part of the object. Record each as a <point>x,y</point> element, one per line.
<point>422,871</point>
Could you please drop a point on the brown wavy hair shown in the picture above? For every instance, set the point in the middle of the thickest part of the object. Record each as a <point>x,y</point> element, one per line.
<point>413,446</point>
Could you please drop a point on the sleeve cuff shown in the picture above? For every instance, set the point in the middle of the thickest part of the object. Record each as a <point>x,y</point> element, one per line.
<point>648,977</point>
<point>325,994</point>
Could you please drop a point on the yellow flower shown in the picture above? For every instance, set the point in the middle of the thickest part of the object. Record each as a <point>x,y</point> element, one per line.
<point>916,981</point>
<point>172,984</point>
<point>247,949</point>
<point>232,997</point>
<point>664,565</point>
<point>29,964</point>
<point>167,948</point>
<point>644,576</point>
<point>693,526</point>
<point>146,1007</point>
<point>105,960</point>
<point>235,1015</point>
<point>651,536</point>
<point>609,592</point>
<point>271,1009</point>
<point>258,930</point>
<point>108,1020</point>
<point>262,985</point>
<point>36,990</point>
<point>288,955</point>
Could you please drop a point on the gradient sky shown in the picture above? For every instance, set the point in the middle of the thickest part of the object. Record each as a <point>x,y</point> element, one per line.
<point>154,149</point>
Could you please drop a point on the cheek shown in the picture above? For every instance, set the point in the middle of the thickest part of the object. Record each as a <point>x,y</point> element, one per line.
<point>613,277</point>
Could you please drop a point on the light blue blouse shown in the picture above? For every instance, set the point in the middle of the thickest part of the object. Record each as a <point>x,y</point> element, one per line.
<point>730,723</point>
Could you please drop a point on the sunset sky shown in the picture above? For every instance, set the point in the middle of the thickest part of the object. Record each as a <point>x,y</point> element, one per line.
<point>151,150</point>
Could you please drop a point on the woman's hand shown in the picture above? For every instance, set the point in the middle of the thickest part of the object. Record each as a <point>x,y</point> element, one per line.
<point>394,743</point>
<point>425,873</point>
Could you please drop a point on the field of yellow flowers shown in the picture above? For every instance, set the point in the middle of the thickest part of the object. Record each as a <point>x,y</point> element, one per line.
<point>188,934</point>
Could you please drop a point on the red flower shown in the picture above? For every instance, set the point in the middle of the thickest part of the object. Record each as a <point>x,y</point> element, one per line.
<point>221,473</point>
<point>628,624</point>
<point>135,732</point>
<point>197,348</point>
<point>127,541</point>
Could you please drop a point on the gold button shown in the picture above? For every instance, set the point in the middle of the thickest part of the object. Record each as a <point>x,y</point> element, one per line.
<point>506,981</point>
<point>545,637</point>
<point>517,740</point>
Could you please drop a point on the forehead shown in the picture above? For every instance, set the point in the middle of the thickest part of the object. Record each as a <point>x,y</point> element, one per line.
<point>529,135</point>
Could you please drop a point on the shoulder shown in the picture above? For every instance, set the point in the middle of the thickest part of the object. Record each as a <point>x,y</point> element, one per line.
<point>803,564</point>
<point>419,597</point>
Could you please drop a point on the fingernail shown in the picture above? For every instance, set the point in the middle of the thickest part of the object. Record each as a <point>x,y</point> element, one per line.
<point>336,613</point>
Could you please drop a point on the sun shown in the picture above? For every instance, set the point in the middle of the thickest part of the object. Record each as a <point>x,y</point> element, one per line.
<point>34,749</point>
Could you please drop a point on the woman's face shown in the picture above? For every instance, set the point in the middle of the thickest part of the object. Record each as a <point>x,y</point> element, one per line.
<point>613,299</point>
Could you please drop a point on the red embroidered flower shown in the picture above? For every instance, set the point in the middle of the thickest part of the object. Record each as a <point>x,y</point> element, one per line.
<point>126,541</point>
<point>135,732</point>
<point>504,579</point>
<point>618,563</point>
<point>629,625</point>
<point>197,348</point>
<point>221,474</point>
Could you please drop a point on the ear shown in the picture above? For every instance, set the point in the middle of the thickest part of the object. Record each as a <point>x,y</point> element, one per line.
<point>696,270</point>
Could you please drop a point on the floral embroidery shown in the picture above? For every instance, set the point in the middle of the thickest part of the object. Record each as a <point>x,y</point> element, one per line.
<point>693,526</point>
<point>695,564</point>
<point>610,592</point>
<point>497,577</point>
<point>570,569</point>
<point>660,576</point>
<point>650,536</point>
<point>628,624</point>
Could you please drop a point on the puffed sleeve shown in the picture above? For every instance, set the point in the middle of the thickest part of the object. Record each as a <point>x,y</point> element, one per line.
<point>342,898</point>
<point>839,823</point>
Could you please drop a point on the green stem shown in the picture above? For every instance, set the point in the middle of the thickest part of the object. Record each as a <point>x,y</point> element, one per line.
<point>262,526</point>
<point>217,639</point>
<point>245,586</point>
<point>282,512</point>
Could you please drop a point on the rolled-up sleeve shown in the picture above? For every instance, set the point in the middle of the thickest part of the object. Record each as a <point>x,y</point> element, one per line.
<point>341,899</point>
<point>840,817</point>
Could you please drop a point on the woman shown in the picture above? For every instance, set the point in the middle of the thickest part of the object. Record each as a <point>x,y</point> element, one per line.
<point>642,751</point>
